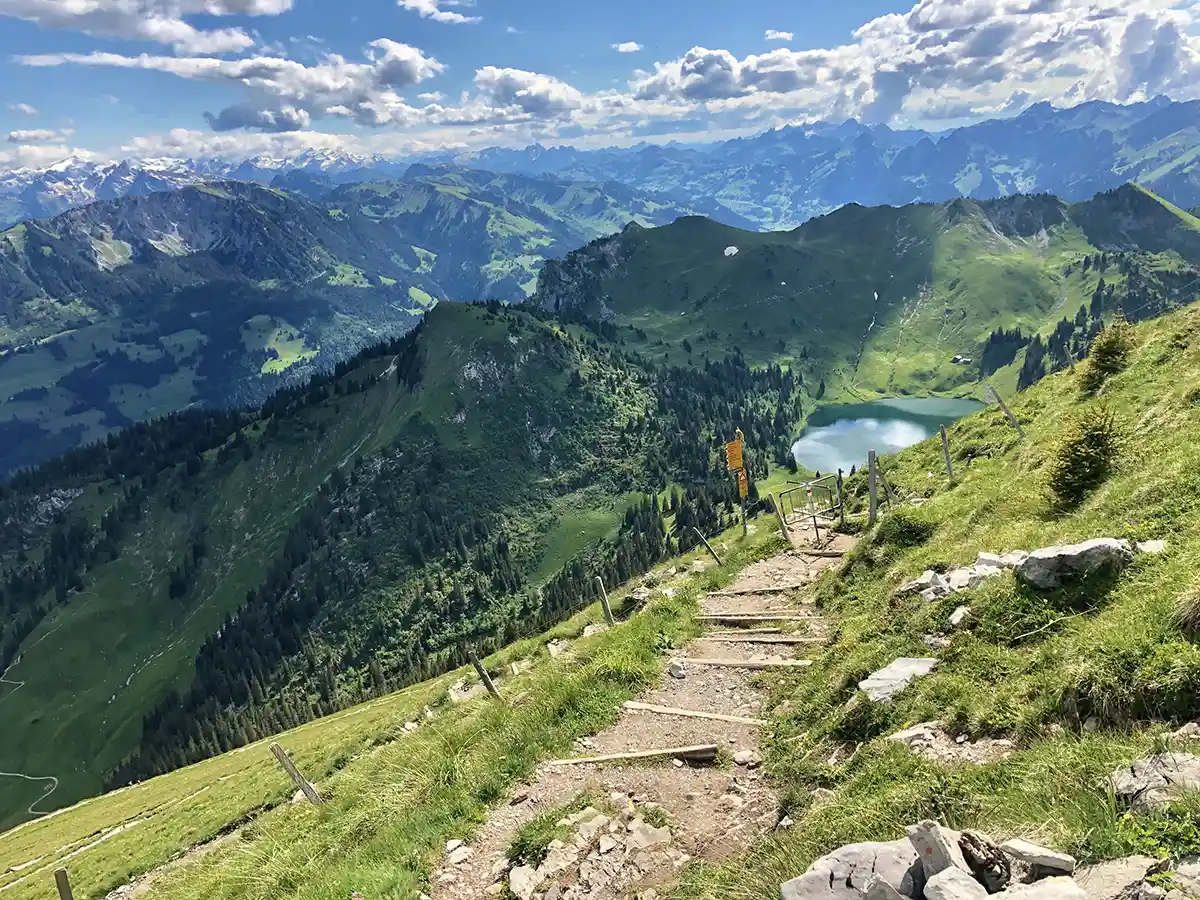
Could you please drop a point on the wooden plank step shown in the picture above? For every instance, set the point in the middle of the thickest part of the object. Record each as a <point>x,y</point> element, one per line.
<point>739,592</point>
<point>698,753</point>
<point>691,713</point>
<point>746,631</point>
<point>762,639</point>
<point>753,617</point>
<point>745,663</point>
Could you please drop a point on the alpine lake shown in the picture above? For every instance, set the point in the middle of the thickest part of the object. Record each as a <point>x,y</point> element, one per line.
<point>839,436</point>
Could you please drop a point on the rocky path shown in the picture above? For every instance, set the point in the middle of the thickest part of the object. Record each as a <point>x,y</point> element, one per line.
<point>640,822</point>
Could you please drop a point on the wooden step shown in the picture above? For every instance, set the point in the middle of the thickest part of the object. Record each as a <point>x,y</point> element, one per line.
<point>691,713</point>
<point>698,753</point>
<point>753,617</point>
<point>762,639</point>
<point>745,663</point>
<point>746,631</point>
<point>741,592</point>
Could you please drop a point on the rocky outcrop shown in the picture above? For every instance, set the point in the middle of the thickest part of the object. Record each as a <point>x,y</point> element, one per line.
<point>886,683</point>
<point>1155,781</point>
<point>936,863</point>
<point>1055,567</point>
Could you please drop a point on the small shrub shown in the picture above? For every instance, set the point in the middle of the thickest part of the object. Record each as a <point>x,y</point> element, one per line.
<point>1109,354</point>
<point>1085,455</point>
<point>903,529</point>
<point>1187,612</point>
<point>655,815</point>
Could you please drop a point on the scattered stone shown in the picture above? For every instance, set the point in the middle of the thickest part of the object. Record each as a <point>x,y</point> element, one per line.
<point>640,594</point>
<point>1013,559</point>
<point>676,670</point>
<point>643,835</point>
<point>1189,732</point>
<point>451,846</point>
<point>460,856</point>
<point>411,726</point>
<point>1152,547</point>
<point>889,681</point>
<point>593,826</point>
<point>936,847</point>
<point>1153,782</point>
<point>959,615</point>
<point>747,758</point>
<point>1050,861</point>
<point>594,629</point>
<point>584,815</point>
<point>877,888</point>
<point>928,579</point>
<point>523,881</point>
<point>918,734</point>
<point>557,648</point>
<point>843,874</point>
<point>1109,880</point>
<point>935,641</point>
<point>520,796</point>
<point>608,844</point>
<point>954,884</point>
<point>1054,567</point>
<point>1059,887</point>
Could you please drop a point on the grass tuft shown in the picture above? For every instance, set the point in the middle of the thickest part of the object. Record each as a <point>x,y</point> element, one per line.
<point>1085,455</point>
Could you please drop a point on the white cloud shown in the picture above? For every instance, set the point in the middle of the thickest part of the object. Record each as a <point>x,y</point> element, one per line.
<point>773,35</point>
<point>284,95</point>
<point>24,109</point>
<point>528,91</point>
<point>512,29</point>
<point>432,9</point>
<point>627,47</point>
<point>38,155</point>
<point>37,135</point>
<point>161,21</point>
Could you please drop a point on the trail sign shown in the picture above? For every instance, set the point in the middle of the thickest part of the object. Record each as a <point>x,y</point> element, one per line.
<point>733,455</point>
<point>743,483</point>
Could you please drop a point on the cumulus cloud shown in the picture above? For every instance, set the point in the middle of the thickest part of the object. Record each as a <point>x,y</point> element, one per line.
<point>528,91</point>
<point>981,51</point>
<point>161,21</point>
<point>285,95</point>
<point>627,47</point>
<point>24,109</point>
<point>773,35</point>
<point>36,135</point>
<point>432,9</point>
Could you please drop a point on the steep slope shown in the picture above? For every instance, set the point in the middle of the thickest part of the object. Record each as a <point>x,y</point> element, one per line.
<point>213,294</point>
<point>197,582</point>
<point>880,301</point>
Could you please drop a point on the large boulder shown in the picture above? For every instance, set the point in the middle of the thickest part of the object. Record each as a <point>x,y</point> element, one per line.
<point>887,682</point>
<point>844,873</point>
<point>1111,879</point>
<point>1155,781</point>
<point>1055,567</point>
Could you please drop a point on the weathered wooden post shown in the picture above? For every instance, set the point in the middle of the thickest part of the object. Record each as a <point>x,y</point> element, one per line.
<point>483,675</point>
<point>64,884</point>
<point>841,500</point>
<point>873,499</point>
<point>296,775</point>
<point>946,453</point>
<point>777,505</point>
<point>1012,420</point>
<point>707,545</point>
<point>608,616</point>
<point>812,511</point>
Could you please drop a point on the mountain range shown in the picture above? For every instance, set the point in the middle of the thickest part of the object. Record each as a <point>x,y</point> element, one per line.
<point>218,293</point>
<point>773,180</point>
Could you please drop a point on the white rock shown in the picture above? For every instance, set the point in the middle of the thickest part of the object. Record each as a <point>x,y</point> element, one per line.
<point>979,574</point>
<point>1053,567</point>
<point>594,629</point>
<point>451,846</point>
<point>877,888</point>
<point>889,681</point>
<point>844,873</point>
<point>676,670</point>
<point>460,855</point>
<point>643,836</point>
<point>994,560</point>
<point>960,579</point>
<point>747,758</point>
<point>523,881</point>
<point>957,617</point>
<point>1109,880</point>
<point>1013,559</point>
<point>1155,781</point>
<point>937,848</point>
<point>923,733</point>
<point>1153,547</point>
<point>593,826</point>
<point>1036,855</point>
<point>608,844</point>
<point>927,580</point>
<point>1059,887</point>
<point>954,884</point>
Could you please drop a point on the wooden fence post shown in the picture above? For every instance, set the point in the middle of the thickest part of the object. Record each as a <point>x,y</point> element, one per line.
<point>707,545</point>
<point>608,616</point>
<point>778,507</point>
<point>64,884</point>
<point>873,499</point>
<point>841,500</point>
<point>297,777</point>
<point>1012,420</point>
<point>483,675</point>
<point>946,453</point>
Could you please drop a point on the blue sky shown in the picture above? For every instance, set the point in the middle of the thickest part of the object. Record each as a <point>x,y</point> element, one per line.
<point>139,77</point>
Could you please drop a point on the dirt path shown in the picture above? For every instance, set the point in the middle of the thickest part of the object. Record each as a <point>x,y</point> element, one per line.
<point>642,821</point>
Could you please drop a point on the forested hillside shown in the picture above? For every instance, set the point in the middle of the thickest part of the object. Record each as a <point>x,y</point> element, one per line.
<point>885,301</point>
<point>224,574</point>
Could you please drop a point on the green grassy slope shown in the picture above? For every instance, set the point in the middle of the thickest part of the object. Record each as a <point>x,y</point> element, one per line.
<point>218,294</point>
<point>1082,680</point>
<point>875,301</point>
<point>227,575</point>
